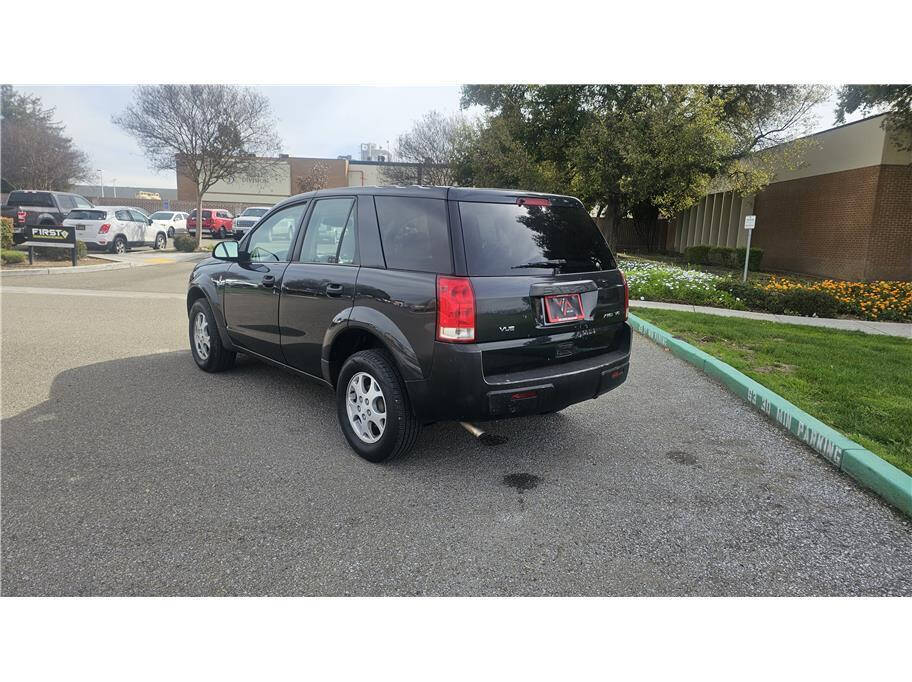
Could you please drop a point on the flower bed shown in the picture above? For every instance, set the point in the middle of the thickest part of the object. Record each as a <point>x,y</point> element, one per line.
<point>881,300</point>
<point>655,282</point>
<point>885,301</point>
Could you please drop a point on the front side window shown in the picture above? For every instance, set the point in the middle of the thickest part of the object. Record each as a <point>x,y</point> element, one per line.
<point>330,236</point>
<point>138,217</point>
<point>66,202</point>
<point>273,238</point>
<point>81,201</point>
<point>414,234</point>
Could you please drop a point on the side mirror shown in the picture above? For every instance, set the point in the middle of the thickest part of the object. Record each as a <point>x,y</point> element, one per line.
<point>226,251</point>
<point>149,221</point>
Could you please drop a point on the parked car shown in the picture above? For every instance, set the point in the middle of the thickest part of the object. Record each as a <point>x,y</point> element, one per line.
<point>31,208</point>
<point>244,222</point>
<point>174,222</point>
<point>116,228</point>
<point>217,222</point>
<point>420,304</point>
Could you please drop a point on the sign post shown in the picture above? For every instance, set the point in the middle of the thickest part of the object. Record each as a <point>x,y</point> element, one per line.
<point>749,221</point>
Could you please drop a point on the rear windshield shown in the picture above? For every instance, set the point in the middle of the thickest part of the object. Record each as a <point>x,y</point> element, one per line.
<point>30,199</point>
<point>161,215</point>
<point>206,214</point>
<point>83,214</point>
<point>508,239</point>
<point>256,212</point>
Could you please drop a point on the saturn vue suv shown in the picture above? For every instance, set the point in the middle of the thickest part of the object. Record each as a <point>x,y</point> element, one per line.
<point>420,304</point>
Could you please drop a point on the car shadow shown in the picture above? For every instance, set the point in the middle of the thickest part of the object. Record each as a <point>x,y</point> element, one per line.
<point>136,472</point>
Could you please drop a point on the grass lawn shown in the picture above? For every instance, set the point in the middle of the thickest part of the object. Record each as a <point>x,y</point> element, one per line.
<point>859,384</point>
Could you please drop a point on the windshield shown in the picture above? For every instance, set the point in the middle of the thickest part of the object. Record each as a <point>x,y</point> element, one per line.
<point>30,199</point>
<point>510,240</point>
<point>161,215</point>
<point>256,212</point>
<point>83,214</point>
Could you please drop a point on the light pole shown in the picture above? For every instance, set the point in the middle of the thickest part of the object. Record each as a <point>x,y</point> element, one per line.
<point>101,181</point>
<point>114,186</point>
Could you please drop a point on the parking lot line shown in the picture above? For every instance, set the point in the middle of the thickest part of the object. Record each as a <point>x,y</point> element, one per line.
<point>48,291</point>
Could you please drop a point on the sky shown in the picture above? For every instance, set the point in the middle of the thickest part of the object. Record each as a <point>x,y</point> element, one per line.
<point>320,121</point>
<point>316,121</point>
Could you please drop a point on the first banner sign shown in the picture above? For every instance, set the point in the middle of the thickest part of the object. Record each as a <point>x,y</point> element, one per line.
<point>57,234</point>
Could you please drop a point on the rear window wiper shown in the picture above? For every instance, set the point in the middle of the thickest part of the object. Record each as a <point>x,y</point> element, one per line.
<point>555,263</point>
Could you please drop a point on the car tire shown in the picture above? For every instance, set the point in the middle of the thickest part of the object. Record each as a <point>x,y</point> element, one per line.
<point>170,233</point>
<point>119,245</point>
<point>400,427</point>
<point>161,241</point>
<point>207,349</point>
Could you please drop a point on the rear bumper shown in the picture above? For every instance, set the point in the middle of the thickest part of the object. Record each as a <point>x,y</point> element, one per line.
<point>458,389</point>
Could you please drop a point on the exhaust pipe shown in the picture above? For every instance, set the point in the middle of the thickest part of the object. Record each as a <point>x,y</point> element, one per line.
<point>483,436</point>
<point>471,428</point>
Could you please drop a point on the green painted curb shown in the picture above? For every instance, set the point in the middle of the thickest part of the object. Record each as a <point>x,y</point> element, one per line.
<point>864,466</point>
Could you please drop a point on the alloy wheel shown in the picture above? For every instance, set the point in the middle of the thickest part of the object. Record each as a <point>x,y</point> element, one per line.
<point>201,336</point>
<point>366,407</point>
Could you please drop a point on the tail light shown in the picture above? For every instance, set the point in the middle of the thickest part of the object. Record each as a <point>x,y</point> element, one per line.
<point>104,228</point>
<point>626,296</point>
<point>21,216</point>
<point>455,310</point>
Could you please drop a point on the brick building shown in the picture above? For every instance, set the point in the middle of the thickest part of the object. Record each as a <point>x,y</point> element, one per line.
<point>845,213</point>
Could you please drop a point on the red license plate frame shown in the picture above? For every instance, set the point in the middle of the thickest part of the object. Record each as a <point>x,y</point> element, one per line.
<point>562,308</point>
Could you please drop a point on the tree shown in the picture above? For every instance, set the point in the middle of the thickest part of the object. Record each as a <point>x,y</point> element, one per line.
<point>895,99</point>
<point>207,133</point>
<point>317,178</point>
<point>642,151</point>
<point>433,145</point>
<point>36,154</point>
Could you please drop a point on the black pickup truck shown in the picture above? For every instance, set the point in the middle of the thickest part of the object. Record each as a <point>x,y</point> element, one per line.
<point>31,208</point>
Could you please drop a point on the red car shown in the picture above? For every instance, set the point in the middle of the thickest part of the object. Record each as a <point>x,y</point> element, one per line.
<point>216,221</point>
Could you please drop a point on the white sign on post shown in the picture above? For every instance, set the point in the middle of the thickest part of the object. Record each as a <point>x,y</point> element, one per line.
<point>749,221</point>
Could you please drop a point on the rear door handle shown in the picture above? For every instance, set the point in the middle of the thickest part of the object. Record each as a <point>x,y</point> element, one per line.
<point>333,289</point>
<point>268,281</point>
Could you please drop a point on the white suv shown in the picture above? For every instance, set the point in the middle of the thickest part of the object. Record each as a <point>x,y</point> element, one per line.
<point>173,222</point>
<point>116,228</point>
<point>245,222</point>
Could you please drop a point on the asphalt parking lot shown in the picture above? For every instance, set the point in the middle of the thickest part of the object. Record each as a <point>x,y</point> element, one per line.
<point>127,471</point>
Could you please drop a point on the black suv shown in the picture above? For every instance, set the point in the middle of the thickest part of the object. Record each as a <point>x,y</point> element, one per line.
<point>420,304</point>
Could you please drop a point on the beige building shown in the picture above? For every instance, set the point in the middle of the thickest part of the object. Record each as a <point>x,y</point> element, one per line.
<point>845,212</point>
<point>283,183</point>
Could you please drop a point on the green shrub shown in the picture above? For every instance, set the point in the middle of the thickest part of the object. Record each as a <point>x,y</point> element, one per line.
<point>697,254</point>
<point>50,253</point>
<point>722,255</point>
<point>6,233</point>
<point>184,242</point>
<point>752,296</point>
<point>9,257</point>
<point>809,303</point>
<point>756,257</point>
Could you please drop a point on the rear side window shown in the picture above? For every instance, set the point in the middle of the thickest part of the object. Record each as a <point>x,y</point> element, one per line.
<point>414,234</point>
<point>30,199</point>
<point>512,239</point>
<point>82,214</point>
